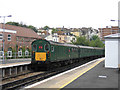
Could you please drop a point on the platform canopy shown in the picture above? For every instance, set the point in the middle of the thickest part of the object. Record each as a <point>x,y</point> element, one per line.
<point>113,36</point>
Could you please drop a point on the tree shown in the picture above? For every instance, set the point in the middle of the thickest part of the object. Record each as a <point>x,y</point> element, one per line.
<point>22,25</point>
<point>13,23</point>
<point>33,28</point>
<point>46,27</point>
<point>96,43</point>
<point>54,30</point>
<point>94,37</point>
<point>81,41</point>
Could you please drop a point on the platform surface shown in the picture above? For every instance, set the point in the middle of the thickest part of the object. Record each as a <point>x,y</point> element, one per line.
<point>98,77</point>
<point>90,75</point>
<point>14,64</point>
<point>9,61</point>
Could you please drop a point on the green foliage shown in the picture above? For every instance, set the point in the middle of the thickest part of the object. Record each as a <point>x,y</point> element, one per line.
<point>33,28</point>
<point>81,41</point>
<point>46,27</point>
<point>13,23</point>
<point>54,30</point>
<point>23,49</point>
<point>95,42</point>
<point>22,25</point>
<point>94,37</point>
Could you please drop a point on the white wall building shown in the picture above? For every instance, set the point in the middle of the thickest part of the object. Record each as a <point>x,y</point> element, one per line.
<point>52,37</point>
<point>112,51</point>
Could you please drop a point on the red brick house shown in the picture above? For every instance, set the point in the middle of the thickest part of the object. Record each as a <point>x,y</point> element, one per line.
<point>17,39</point>
<point>107,31</point>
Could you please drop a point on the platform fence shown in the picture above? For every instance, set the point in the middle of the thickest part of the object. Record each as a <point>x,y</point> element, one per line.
<point>15,55</point>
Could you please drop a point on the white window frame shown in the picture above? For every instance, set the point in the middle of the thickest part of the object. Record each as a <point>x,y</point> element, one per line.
<point>9,53</point>
<point>17,39</point>
<point>45,48</point>
<point>9,37</point>
<point>1,37</point>
<point>52,49</point>
<point>20,53</point>
<point>26,53</point>
<point>1,54</point>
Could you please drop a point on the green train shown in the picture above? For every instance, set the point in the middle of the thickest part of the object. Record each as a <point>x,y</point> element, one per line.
<point>47,53</point>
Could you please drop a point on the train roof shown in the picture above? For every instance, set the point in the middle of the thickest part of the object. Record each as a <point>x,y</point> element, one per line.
<point>89,47</point>
<point>85,47</point>
<point>69,45</point>
<point>62,44</point>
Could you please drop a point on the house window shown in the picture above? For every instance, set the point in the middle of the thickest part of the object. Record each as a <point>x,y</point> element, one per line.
<point>1,37</point>
<point>9,52</point>
<point>26,52</point>
<point>65,38</point>
<point>9,37</point>
<point>1,54</point>
<point>20,53</point>
<point>17,39</point>
<point>22,39</point>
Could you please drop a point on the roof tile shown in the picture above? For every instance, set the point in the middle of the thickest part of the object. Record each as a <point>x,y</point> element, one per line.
<point>21,31</point>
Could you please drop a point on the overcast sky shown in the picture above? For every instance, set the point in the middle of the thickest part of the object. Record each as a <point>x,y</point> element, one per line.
<point>58,13</point>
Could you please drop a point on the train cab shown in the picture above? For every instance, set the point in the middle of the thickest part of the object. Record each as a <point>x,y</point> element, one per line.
<point>40,51</point>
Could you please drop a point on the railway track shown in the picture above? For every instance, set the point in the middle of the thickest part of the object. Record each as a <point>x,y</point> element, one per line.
<point>25,80</point>
<point>16,76</point>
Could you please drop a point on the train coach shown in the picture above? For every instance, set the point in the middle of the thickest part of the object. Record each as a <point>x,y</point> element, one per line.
<point>48,53</point>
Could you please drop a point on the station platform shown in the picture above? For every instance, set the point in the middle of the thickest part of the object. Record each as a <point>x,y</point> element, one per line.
<point>90,75</point>
<point>9,61</point>
<point>14,64</point>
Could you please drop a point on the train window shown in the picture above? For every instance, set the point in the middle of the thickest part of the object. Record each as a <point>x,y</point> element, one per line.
<point>34,47</point>
<point>52,49</point>
<point>71,49</point>
<point>46,47</point>
<point>75,49</point>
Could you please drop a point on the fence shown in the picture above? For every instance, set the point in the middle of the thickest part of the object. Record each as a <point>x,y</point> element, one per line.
<point>15,55</point>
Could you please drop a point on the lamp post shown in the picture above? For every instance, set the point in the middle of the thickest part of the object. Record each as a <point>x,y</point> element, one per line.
<point>118,24</point>
<point>4,31</point>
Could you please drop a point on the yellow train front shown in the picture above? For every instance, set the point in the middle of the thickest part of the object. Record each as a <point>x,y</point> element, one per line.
<point>40,53</point>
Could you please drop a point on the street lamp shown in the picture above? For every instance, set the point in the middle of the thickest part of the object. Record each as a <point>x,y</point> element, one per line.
<point>118,24</point>
<point>4,30</point>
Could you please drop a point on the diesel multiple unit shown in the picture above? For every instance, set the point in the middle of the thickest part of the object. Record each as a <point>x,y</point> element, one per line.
<point>46,53</point>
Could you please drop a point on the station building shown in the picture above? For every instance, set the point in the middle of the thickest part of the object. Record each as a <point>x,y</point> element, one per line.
<point>17,40</point>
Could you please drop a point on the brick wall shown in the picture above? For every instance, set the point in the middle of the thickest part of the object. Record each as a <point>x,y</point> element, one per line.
<point>107,31</point>
<point>16,42</point>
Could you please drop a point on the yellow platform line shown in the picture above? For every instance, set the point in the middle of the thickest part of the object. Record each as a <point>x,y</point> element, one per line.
<point>83,72</point>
